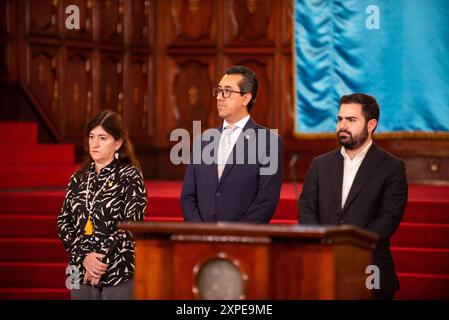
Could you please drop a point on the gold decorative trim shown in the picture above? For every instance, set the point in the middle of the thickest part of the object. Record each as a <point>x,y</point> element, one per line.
<point>215,238</point>
<point>194,6</point>
<point>193,95</point>
<point>251,6</point>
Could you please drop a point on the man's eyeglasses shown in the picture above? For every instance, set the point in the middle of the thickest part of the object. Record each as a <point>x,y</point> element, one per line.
<point>225,92</point>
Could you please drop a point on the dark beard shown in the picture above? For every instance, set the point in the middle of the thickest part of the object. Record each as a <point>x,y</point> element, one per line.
<point>353,142</point>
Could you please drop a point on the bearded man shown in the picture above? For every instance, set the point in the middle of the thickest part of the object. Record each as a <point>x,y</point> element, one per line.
<point>358,184</point>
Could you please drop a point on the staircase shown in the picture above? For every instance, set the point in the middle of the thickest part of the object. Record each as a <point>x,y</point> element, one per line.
<point>31,256</point>
<point>33,261</point>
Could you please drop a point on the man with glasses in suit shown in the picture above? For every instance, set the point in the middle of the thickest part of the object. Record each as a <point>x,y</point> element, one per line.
<point>243,183</point>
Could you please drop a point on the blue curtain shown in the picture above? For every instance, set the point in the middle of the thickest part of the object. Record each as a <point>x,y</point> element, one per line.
<point>395,50</point>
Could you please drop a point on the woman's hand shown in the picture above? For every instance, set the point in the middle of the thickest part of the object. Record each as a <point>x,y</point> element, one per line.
<point>94,267</point>
<point>90,280</point>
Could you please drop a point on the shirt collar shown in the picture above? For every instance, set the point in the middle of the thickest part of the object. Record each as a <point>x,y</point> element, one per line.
<point>239,124</point>
<point>107,169</point>
<point>361,154</point>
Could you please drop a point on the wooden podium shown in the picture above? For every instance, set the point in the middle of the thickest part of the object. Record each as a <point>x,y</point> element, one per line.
<point>246,261</point>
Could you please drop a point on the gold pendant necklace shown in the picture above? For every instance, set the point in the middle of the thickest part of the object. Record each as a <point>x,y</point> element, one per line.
<point>89,227</point>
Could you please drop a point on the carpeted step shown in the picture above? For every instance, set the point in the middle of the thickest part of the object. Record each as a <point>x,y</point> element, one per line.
<point>423,286</point>
<point>427,211</point>
<point>32,202</point>
<point>36,155</point>
<point>34,294</point>
<point>35,176</point>
<point>31,250</point>
<point>163,219</point>
<point>25,226</point>
<point>428,192</point>
<point>32,275</point>
<point>164,201</point>
<point>421,260</point>
<point>424,211</point>
<point>13,133</point>
<point>421,235</point>
<point>164,206</point>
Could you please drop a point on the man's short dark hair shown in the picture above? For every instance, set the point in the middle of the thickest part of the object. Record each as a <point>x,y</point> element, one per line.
<point>370,108</point>
<point>248,84</point>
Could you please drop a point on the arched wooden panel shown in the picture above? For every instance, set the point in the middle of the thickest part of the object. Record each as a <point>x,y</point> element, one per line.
<point>141,24</point>
<point>43,17</point>
<point>140,108</point>
<point>78,92</point>
<point>192,22</point>
<point>111,82</point>
<point>43,80</point>
<point>192,92</point>
<point>111,14</point>
<point>249,22</point>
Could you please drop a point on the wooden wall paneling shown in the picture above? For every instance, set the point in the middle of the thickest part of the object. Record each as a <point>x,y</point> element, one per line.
<point>111,81</point>
<point>86,20</point>
<point>78,92</point>
<point>186,45</point>
<point>161,73</point>
<point>140,25</point>
<point>3,41</point>
<point>111,20</point>
<point>249,22</point>
<point>4,68</point>
<point>190,91</point>
<point>139,98</point>
<point>421,169</point>
<point>43,17</point>
<point>287,106</point>
<point>287,23</point>
<point>286,77</point>
<point>3,17</point>
<point>43,81</point>
<point>9,42</point>
<point>264,106</point>
<point>192,22</point>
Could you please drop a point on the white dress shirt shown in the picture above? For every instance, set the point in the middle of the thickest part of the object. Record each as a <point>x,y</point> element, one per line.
<point>239,125</point>
<point>350,170</point>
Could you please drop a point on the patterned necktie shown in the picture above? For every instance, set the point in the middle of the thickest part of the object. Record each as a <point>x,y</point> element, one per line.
<point>224,148</point>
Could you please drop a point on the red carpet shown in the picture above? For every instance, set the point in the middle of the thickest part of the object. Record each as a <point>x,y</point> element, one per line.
<point>32,260</point>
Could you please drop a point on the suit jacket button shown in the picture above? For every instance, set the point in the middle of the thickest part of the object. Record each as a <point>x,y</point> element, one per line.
<point>217,194</point>
<point>342,221</point>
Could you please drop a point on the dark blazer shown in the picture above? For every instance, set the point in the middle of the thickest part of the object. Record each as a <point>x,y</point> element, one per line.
<point>242,194</point>
<point>376,201</point>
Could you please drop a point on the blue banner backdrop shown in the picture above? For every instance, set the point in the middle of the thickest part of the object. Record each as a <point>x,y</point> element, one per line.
<point>395,50</point>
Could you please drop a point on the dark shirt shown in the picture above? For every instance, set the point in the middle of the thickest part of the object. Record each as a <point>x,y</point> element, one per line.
<point>123,198</point>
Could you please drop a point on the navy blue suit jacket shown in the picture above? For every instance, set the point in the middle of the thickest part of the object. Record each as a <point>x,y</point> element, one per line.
<point>242,194</point>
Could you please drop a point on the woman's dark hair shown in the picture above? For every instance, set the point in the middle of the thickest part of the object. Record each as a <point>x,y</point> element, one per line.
<point>112,123</point>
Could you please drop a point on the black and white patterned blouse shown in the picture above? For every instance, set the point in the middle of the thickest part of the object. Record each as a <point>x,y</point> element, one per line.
<point>123,198</point>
